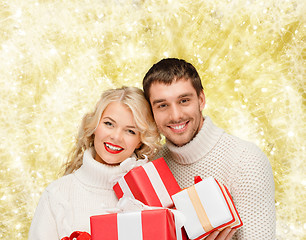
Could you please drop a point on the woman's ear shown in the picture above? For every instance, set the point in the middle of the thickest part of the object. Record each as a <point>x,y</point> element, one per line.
<point>139,145</point>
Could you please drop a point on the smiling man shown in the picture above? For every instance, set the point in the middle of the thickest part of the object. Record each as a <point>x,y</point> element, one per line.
<point>177,110</point>
<point>196,147</point>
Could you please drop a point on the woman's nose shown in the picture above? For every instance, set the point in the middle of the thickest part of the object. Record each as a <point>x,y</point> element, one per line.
<point>116,134</point>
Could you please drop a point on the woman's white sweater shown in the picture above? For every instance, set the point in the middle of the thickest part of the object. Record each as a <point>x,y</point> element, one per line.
<point>67,203</point>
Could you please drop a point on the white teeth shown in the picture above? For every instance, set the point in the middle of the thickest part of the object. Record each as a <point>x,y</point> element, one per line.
<point>179,127</point>
<point>113,148</point>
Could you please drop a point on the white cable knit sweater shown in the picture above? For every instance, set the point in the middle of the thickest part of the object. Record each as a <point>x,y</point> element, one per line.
<point>67,203</point>
<point>238,164</point>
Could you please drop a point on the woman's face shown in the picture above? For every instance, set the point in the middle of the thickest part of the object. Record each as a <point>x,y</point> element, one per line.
<point>116,136</point>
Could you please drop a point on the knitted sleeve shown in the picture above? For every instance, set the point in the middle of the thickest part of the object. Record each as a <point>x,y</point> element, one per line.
<point>43,224</point>
<point>254,195</point>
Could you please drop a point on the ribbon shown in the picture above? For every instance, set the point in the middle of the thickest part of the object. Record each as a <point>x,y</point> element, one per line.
<point>134,208</point>
<point>129,225</point>
<point>158,185</point>
<point>198,207</point>
<point>127,204</point>
<point>127,165</point>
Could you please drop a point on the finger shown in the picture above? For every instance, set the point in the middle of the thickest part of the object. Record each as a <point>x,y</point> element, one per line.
<point>229,236</point>
<point>213,235</point>
<point>223,234</point>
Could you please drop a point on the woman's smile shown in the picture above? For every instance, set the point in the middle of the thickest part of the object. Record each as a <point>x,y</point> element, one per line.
<point>111,148</point>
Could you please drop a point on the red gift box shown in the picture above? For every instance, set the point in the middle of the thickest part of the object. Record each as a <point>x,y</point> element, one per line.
<point>152,183</point>
<point>139,225</point>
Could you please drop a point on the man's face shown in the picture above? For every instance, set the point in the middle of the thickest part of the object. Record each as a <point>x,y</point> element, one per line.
<point>177,110</point>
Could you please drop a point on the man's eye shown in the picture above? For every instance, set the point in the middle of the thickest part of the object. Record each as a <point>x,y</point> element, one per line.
<point>184,101</point>
<point>162,105</point>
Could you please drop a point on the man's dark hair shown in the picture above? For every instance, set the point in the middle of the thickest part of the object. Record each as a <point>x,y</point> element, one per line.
<point>169,70</point>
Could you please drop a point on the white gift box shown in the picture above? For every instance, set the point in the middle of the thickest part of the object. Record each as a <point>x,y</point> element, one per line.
<point>207,206</point>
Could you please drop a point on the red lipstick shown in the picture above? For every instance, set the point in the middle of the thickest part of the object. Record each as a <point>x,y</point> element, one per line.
<point>113,149</point>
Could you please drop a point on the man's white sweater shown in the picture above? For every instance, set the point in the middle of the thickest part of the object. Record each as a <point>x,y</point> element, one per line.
<point>67,203</point>
<point>240,165</point>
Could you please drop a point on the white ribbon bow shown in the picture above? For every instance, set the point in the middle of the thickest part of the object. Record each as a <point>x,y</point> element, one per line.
<point>127,204</point>
<point>131,162</point>
<point>127,165</point>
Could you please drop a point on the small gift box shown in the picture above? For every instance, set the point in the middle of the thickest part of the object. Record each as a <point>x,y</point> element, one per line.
<point>152,183</point>
<point>137,225</point>
<point>78,235</point>
<point>207,206</point>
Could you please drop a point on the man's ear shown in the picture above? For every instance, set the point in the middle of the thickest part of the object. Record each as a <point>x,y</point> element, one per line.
<point>202,100</point>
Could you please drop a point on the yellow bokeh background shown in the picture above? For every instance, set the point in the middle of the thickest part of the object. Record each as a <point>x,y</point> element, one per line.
<point>56,57</point>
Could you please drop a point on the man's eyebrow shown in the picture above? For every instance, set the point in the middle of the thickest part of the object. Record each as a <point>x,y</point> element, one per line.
<point>185,95</point>
<point>164,100</point>
<point>158,101</point>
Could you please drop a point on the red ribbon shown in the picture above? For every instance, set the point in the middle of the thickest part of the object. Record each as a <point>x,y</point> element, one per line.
<point>78,236</point>
<point>197,179</point>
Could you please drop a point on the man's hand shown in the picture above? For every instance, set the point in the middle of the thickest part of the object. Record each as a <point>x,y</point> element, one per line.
<point>225,234</point>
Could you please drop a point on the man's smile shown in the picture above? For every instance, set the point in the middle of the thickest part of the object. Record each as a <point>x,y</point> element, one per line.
<point>179,127</point>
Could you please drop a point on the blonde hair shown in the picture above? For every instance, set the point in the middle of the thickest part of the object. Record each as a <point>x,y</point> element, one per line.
<point>134,99</point>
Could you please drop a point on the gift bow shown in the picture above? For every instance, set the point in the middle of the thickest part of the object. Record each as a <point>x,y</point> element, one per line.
<point>127,204</point>
<point>78,236</point>
<point>127,165</point>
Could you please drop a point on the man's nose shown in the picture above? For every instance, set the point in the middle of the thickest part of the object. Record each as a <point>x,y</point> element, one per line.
<point>175,113</point>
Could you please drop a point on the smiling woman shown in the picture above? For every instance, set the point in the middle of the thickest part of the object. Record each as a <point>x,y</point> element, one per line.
<point>116,136</point>
<point>120,127</point>
<point>135,116</point>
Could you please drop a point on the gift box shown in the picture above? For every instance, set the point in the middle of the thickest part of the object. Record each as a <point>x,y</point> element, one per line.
<point>137,225</point>
<point>207,206</point>
<point>152,183</point>
<point>78,235</point>
<point>237,223</point>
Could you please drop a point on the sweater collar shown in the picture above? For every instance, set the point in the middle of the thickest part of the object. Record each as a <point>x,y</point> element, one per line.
<point>96,174</point>
<point>198,147</point>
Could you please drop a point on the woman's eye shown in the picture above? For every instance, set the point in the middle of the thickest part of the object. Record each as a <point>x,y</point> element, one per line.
<point>108,123</point>
<point>131,132</point>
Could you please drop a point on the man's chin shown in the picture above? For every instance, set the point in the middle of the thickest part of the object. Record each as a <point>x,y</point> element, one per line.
<point>177,142</point>
<point>180,140</point>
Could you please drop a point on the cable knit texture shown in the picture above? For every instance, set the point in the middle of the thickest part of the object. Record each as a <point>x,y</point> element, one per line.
<point>238,164</point>
<point>67,203</point>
